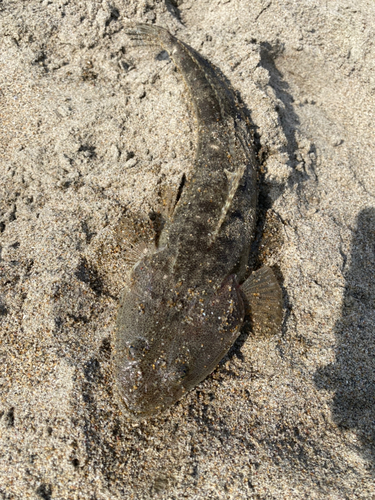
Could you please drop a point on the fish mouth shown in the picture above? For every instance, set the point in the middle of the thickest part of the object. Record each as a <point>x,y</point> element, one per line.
<point>145,402</point>
<point>149,378</point>
<point>149,391</point>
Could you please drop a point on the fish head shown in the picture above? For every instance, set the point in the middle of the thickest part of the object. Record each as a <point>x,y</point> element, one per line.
<point>170,337</point>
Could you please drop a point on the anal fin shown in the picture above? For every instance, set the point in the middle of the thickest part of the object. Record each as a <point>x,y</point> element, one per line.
<point>265,301</point>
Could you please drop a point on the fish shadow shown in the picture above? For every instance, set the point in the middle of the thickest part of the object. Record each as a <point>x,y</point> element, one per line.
<point>352,375</point>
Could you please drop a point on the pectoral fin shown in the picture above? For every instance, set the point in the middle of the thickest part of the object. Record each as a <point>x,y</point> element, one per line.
<point>135,234</point>
<point>265,302</point>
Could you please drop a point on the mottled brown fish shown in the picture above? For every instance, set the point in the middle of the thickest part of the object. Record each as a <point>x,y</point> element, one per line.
<point>183,306</point>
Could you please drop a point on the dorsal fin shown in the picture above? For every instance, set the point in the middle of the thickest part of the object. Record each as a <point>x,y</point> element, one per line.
<point>234,179</point>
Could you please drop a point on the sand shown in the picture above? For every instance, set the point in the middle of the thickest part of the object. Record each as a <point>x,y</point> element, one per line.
<point>93,126</point>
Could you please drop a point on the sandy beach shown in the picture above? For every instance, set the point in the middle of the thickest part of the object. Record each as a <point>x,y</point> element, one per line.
<point>93,125</point>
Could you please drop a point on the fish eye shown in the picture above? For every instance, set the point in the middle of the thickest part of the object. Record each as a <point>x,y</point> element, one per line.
<point>180,370</point>
<point>137,348</point>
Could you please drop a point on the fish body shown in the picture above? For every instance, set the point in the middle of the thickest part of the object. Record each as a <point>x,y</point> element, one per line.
<point>182,307</point>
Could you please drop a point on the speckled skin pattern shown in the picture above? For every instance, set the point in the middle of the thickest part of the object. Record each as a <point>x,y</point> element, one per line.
<point>182,307</point>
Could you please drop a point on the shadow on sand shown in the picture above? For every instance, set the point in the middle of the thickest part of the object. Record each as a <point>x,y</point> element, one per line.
<point>352,375</point>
